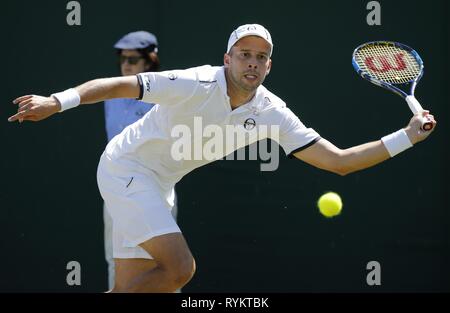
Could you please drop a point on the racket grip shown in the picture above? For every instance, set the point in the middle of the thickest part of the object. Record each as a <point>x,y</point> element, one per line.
<point>416,108</point>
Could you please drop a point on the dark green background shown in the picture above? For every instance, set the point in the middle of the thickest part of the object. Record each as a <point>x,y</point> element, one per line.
<point>248,230</point>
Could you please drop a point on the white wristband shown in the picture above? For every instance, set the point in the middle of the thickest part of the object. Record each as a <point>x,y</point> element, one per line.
<point>68,99</point>
<point>396,142</point>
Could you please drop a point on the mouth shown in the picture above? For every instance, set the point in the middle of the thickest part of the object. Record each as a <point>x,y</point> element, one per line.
<point>251,76</point>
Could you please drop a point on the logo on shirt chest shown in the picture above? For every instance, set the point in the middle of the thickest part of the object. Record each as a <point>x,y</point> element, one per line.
<point>249,124</point>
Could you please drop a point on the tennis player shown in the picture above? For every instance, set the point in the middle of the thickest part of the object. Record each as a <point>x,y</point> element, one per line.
<point>137,171</point>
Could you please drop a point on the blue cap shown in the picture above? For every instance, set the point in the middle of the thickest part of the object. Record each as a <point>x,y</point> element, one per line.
<point>137,40</point>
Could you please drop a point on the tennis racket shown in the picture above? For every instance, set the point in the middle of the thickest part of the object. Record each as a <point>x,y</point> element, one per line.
<point>392,65</point>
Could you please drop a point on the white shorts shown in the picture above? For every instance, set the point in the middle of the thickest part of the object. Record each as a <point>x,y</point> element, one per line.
<point>138,207</point>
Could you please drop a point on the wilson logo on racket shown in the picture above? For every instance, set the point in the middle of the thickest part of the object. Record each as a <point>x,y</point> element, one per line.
<point>383,63</point>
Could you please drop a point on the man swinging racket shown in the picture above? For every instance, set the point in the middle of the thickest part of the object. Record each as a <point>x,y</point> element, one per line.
<point>137,171</point>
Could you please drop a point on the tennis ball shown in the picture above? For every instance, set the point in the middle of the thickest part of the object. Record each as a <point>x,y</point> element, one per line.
<point>330,204</point>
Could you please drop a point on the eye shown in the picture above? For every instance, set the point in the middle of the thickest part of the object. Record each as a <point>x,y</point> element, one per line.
<point>262,57</point>
<point>245,54</point>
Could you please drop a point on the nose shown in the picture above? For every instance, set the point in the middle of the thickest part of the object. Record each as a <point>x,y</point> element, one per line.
<point>252,66</point>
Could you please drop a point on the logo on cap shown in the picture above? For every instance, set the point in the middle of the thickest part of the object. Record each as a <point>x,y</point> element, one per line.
<point>172,76</point>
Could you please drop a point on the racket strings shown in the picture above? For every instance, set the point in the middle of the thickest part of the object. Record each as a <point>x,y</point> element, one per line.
<point>387,63</point>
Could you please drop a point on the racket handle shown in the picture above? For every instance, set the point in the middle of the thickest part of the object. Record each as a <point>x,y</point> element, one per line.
<point>416,108</point>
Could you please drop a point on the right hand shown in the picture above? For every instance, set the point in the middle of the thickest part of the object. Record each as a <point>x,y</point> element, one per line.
<point>414,129</point>
<point>34,108</point>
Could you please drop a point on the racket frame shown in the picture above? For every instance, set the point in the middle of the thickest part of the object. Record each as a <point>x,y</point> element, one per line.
<point>413,104</point>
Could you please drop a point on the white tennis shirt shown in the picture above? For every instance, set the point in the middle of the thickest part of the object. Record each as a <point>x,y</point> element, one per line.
<point>185,97</point>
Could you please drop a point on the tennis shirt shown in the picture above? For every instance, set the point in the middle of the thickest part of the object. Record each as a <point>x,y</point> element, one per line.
<point>194,99</point>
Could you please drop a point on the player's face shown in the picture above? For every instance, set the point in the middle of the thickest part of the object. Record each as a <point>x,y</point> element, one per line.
<point>248,62</point>
<point>132,62</point>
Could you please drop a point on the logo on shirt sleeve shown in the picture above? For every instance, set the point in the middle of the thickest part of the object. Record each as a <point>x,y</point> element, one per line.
<point>146,82</point>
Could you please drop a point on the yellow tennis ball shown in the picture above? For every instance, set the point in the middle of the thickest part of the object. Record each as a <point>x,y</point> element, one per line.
<point>330,204</point>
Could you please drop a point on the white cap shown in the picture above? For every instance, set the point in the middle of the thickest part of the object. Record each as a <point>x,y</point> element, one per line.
<point>249,30</point>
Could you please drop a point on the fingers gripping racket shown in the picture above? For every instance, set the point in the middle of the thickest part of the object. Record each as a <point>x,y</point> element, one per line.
<point>391,65</point>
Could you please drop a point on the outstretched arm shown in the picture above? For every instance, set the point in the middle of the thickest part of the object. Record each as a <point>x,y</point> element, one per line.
<point>36,108</point>
<point>323,154</point>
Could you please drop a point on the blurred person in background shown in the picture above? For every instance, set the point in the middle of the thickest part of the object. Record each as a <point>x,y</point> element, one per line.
<point>137,53</point>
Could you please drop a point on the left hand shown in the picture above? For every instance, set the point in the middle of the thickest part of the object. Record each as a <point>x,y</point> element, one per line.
<point>34,108</point>
<point>414,128</point>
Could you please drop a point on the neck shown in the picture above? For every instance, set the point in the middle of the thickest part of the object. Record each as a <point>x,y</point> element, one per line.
<point>237,95</point>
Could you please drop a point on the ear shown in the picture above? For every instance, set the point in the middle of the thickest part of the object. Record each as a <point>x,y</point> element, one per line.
<point>152,56</point>
<point>269,67</point>
<point>226,59</point>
